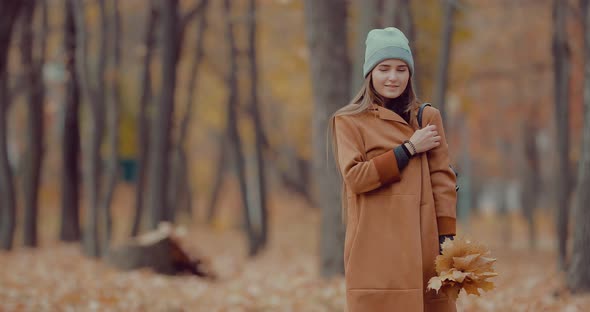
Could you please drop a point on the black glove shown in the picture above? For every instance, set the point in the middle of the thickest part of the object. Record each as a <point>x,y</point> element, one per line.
<point>441,239</point>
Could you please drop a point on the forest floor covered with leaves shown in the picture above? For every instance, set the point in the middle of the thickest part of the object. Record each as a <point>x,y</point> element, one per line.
<point>58,277</point>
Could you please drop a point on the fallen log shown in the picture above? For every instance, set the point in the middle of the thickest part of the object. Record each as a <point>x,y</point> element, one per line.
<point>160,250</point>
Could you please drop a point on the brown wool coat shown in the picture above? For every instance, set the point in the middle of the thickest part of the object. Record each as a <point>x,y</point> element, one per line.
<point>394,218</point>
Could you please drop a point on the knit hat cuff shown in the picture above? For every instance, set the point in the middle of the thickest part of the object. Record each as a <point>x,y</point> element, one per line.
<point>389,52</point>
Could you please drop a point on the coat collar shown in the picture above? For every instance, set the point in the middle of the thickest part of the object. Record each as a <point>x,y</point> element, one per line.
<point>387,114</point>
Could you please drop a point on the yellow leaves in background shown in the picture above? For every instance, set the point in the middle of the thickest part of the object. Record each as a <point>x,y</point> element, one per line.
<point>285,89</point>
<point>463,265</point>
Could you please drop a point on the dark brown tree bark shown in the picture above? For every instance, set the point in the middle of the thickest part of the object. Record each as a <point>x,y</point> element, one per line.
<point>35,96</point>
<point>530,176</point>
<point>259,200</point>
<point>325,27</point>
<point>233,135</point>
<point>173,28</point>
<point>93,92</point>
<point>561,63</point>
<point>398,13</point>
<point>9,11</point>
<point>578,278</point>
<point>111,172</point>
<point>179,180</point>
<point>367,20</point>
<point>442,76</point>
<point>70,148</point>
<point>218,177</point>
<point>159,153</point>
<point>295,174</point>
<point>142,118</point>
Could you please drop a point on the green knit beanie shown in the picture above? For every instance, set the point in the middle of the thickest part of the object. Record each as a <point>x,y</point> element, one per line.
<point>388,43</point>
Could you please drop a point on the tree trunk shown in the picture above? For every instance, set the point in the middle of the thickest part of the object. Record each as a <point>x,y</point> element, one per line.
<point>530,177</point>
<point>398,13</point>
<point>444,59</point>
<point>180,166</point>
<point>326,24</point>
<point>184,192</point>
<point>503,189</point>
<point>232,120</point>
<point>94,94</point>
<point>113,125</point>
<point>159,154</point>
<point>219,172</point>
<point>294,174</point>
<point>8,14</point>
<point>562,81</point>
<point>70,180</point>
<point>578,277</point>
<point>232,124</point>
<point>259,200</point>
<point>142,118</point>
<point>35,97</point>
<point>367,20</point>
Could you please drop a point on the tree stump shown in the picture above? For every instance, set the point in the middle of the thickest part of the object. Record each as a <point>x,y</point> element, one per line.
<point>160,250</point>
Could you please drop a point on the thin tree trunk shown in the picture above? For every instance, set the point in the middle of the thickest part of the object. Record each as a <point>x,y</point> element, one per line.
<point>184,193</point>
<point>113,124</point>
<point>35,97</point>
<point>232,124</point>
<point>9,11</point>
<point>70,180</point>
<point>442,76</point>
<point>259,194</point>
<point>296,175</point>
<point>562,176</point>
<point>142,118</point>
<point>398,13</point>
<point>503,189</point>
<point>219,172</point>
<point>367,20</point>
<point>180,166</point>
<point>578,277</point>
<point>530,177</point>
<point>93,93</point>
<point>325,25</point>
<point>391,14</point>
<point>159,155</point>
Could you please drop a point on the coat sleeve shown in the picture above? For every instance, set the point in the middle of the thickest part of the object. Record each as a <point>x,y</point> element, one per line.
<point>443,179</point>
<point>360,174</point>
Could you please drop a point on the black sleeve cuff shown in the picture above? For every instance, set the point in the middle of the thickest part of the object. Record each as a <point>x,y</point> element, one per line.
<point>442,238</point>
<point>401,157</point>
<point>406,150</point>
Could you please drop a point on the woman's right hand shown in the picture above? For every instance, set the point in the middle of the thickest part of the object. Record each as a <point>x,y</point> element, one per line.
<point>425,139</point>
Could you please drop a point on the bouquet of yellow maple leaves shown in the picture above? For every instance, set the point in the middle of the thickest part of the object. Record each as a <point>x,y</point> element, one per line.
<point>463,264</point>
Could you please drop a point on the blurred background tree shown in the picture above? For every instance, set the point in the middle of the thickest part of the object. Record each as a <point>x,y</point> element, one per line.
<point>210,114</point>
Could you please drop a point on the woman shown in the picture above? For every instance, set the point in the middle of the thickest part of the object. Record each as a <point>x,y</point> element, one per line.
<point>399,191</point>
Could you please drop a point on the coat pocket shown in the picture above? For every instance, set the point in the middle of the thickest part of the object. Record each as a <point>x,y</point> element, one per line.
<point>385,251</point>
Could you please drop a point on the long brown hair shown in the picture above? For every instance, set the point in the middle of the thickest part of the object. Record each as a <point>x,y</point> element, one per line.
<point>360,103</point>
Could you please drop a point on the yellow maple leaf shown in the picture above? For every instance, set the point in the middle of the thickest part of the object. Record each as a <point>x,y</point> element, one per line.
<point>471,289</point>
<point>463,264</point>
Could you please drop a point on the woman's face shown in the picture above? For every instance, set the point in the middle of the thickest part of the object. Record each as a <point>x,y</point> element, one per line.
<point>390,78</point>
